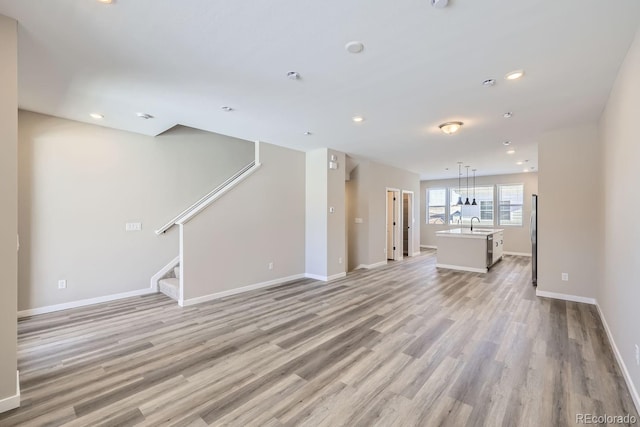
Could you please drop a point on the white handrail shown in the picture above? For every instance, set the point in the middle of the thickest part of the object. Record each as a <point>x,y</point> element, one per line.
<point>209,197</point>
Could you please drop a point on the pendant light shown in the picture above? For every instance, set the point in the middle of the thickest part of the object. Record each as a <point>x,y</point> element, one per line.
<point>467,202</point>
<point>474,189</point>
<point>459,175</point>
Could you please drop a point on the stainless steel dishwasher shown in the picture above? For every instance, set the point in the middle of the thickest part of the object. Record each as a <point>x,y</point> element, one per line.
<point>489,250</point>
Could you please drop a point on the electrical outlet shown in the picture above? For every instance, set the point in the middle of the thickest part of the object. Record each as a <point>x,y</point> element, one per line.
<point>270,266</point>
<point>637,355</point>
<point>62,284</point>
<point>133,226</point>
<point>340,260</point>
<point>565,277</point>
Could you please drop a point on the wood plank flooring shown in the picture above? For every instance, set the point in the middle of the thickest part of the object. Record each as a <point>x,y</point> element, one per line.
<point>402,345</point>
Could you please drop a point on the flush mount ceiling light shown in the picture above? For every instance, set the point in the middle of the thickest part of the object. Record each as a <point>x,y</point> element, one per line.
<point>507,115</point>
<point>96,116</point>
<point>226,109</point>
<point>514,75</point>
<point>450,127</point>
<point>293,75</point>
<point>354,47</point>
<point>489,82</point>
<point>144,116</point>
<point>357,119</point>
<point>519,163</point>
<point>512,151</point>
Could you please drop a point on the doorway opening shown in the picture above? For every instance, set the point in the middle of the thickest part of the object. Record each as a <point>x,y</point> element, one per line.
<point>407,223</point>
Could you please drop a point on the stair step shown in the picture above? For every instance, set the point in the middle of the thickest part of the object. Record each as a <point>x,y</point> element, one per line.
<point>170,287</point>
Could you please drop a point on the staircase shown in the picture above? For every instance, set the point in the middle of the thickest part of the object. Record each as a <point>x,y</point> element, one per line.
<point>170,285</point>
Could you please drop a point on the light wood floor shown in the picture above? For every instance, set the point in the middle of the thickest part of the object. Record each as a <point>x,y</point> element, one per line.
<point>405,345</point>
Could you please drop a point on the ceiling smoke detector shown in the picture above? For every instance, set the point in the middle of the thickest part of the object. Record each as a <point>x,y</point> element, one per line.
<point>507,115</point>
<point>144,116</point>
<point>226,109</point>
<point>439,4</point>
<point>293,75</point>
<point>354,47</point>
<point>489,82</point>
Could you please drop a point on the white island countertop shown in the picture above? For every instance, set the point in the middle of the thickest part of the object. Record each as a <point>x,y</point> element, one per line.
<point>477,233</point>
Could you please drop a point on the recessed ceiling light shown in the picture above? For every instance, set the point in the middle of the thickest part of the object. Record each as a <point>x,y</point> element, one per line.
<point>525,170</point>
<point>105,1</point>
<point>439,4</point>
<point>489,82</point>
<point>450,127</point>
<point>358,119</point>
<point>96,116</point>
<point>507,115</point>
<point>225,108</point>
<point>519,163</point>
<point>354,47</point>
<point>514,75</point>
<point>506,143</point>
<point>512,151</point>
<point>144,116</point>
<point>308,133</point>
<point>293,75</point>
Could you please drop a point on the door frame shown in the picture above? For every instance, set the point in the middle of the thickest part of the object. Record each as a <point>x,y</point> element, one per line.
<point>397,229</point>
<point>412,221</point>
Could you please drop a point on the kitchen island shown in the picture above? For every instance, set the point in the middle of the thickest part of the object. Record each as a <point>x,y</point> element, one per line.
<point>466,250</point>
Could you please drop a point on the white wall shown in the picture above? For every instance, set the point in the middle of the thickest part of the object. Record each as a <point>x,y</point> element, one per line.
<point>336,233</point>
<point>9,211</point>
<point>516,238</point>
<point>80,184</point>
<point>316,194</point>
<point>619,291</point>
<point>570,211</point>
<point>230,244</point>
<point>367,190</point>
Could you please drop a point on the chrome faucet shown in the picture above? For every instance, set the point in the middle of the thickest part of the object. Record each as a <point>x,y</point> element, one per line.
<point>475,217</point>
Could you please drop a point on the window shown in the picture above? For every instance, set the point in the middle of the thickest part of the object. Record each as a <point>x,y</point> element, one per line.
<point>483,209</point>
<point>510,199</point>
<point>436,205</point>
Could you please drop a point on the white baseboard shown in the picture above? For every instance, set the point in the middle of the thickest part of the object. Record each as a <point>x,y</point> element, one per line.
<point>370,266</point>
<point>517,253</point>
<point>460,268</point>
<point>11,402</point>
<point>325,278</point>
<point>218,295</point>
<point>416,253</point>
<point>428,246</point>
<point>84,302</point>
<point>623,367</point>
<point>565,297</point>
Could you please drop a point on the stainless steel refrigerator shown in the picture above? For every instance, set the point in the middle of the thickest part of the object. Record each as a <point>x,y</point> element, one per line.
<point>533,226</point>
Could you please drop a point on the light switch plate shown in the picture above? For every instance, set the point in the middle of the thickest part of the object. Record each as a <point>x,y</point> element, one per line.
<point>133,226</point>
<point>359,221</point>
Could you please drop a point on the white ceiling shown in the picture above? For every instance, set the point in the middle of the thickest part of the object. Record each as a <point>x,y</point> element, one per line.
<point>180,61</point>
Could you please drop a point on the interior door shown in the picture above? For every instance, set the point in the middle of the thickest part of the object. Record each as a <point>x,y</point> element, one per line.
<point>406,225</point>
